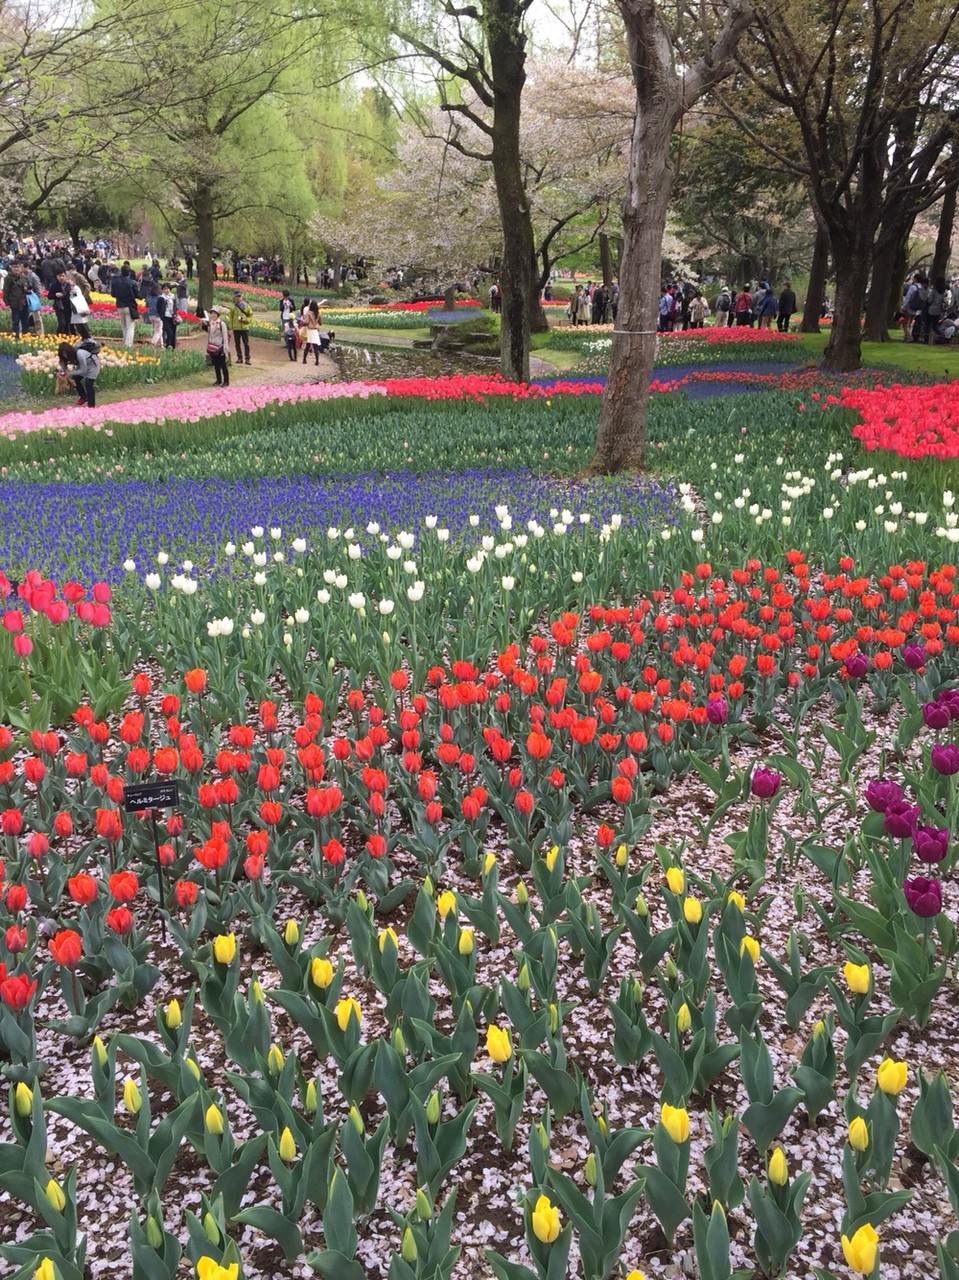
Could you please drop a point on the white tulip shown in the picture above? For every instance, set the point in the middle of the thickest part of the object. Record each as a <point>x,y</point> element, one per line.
<point>299,545</point>
<point>329,576</point>
<point>162,558</point>
<point>230,549</point>
<point>302,615</point>
<point>430,522</point>
<point>406,540</point>
<point>394,553</point>
<point>260,559</point>
<point>386,607</point>
<point>257,531</point>
<point>130,566</point>
<point>415,592</point>
<point>372,528</point>
<point>341,581</point>
<point>258,617</point>
<point>357,600</point>
<point>259,579</point>
<point>323,596</point>
<point>276,533</point>
<point>152,582</point>
<point>354,551</point>
<point>474,521</point>
<point>508,583</point>
<point>248,548</point>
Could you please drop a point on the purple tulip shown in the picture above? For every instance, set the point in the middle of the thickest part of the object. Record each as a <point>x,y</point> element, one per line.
<point>931,843</point>
<point>945,758</point>
<point>900,820</point>
<point>950,698</point>
<point>924,897</point>
<point>881,793</point>
<point>856,666</point>
<point>914,656</point>
<point>765,782</point>
<point>717,711</point>
<point>936,715</point>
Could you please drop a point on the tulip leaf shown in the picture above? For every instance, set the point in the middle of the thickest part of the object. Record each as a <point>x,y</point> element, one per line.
<point>273,1224</point>
<point>665,1199</point>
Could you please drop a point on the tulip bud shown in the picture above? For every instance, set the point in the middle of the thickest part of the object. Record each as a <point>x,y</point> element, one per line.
<point>622,856</point>
<point>274,1060</point>
<point>543,1137</point>
<point>433,1108</point>
<point>362,902</point>
<point>670,970</point>
<point>23,1099</point>
<point>891,1076</point>
<point>858,1134</point>
<point>683,1018</point>
<point>428,886</point>
<point>193,1066</point>
<point>489,862</point>
<point>357,1120</point>
<point>55,1195</point>
<point>522,980</point>
<point>551,857</point>
<point>347,1009</point>
<point>210,1229</point>
<point>589,1171</point>
<point>408,1250</point>
<point>778,1170</point>
<point>424,1205</point>
<point>287,1146</point>
<point>387,935</point>
<point>603,1126</point>
<point>553,1019</point>
<point>692,910</point>
<point>641,908</point>
<point>675,1120</point>
<point>99,1051</point>
<point>321,972</point>
<point>256,991</point>
<point>154,1233</point>
<point>291,934</point>
<point>132,1098</point>
<point>213,1119</point>
<point>309,1098</point>
<point>750,944</point>
<point>173,1015</point>
<point>465,944</point>
<point>736,899</point>
<point>399,1042</point>
<point>224,948</point>
<point>445,903</point>
<point>521,893</point>
<point>675,880</point>
<point>45,1271</point>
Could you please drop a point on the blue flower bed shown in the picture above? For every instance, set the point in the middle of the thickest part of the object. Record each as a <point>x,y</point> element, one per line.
<point>454,317</point>
<point>89,530</point>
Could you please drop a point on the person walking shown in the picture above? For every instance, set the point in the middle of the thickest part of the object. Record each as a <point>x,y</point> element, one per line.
<point>15,298</point>
<point>182,292</point>
<point>287,309</point>
<point>787,307</point>
<point>744,308</point>
<point>79,309</point>
<point>189,266</point>
<point>767,308</point>
<point>313,322</point>
<point>59,295</point>
<point>166,310</point>
<point>125,292</point>
<point>240,319</point>
<point>218,346</point>
<point>151,294</point>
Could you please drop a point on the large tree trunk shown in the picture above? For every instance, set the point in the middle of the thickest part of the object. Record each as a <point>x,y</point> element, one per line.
<point>817,283</point>
<point>503,20</point>
<point>947,218</point>
<point>884,284</point>
<point>605,259</point>
<point>537,312</point>
<point>844,349</point>
<point>204,247</point>
<point>621,436</point>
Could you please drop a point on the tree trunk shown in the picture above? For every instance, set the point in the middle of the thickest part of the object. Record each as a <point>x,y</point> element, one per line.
<point>449,298</point>
<point>844,349</point>
<point>817,283</point>
<point>947,218</point>
<point>621,436</point>
<point>338,256</point>
<point>503,21</point>
<point>883,287</point>
<point>203,208</point>
<point>605,259</point>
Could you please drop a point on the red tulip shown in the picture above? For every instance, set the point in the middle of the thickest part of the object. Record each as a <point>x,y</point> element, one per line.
<point>17,992</point>
<point>82,888</point>
<point>66,948</point>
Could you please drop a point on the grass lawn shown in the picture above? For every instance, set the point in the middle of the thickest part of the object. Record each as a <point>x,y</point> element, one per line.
<point>915,356</point>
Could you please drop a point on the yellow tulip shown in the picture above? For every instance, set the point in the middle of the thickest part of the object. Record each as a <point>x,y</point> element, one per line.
<point>675,880</point>
<point>737,899</point>
<point>286,1146</point>
<point>750,944</point>
<point>641,908</point>
<point>465,944</point>
<point>551,857</point>
<point>692,910</point>
<point>819,1028</point>
<point>635,1275</point>
<point>858,977</point>
<point>891,1076</point>
<point>408,1250</point>
<point>622,856</point>
<point>860,1252</point>
<point>778,1170</point>
<point>55,1195</point>
<point>321,972</point>
<point>274,1060</point>
<point>445,903</point>
<point>192,1065</point>
<point>132,1099</point>
<point>521,894</point>
<point>23,1099</point>
<point>489,862</point>
<point>291,934</point>
<point>173,1015</point>
<point>256,991</point>
<point>357,1119</point>
<point>347,1009</point>
<point>45,1271</point>
<point>213,1119</point>
<point>388,935</point>
<point>224,948</point>
<point>207,1269</point>
<point>309,1098</point>
<point>675,1120</point>
<point>589,1171</point>
<point>100,1050</point>
<point>545,1221</point>
<point>858,1134</point>
<point>684,1018</point>
<point>498,1044</point>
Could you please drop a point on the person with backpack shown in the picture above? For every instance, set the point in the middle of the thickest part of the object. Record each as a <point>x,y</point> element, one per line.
<point>722,307</point>
<point>240,319</point>
<point>744,308</point>
<point>767,309</point>
<point>86,357</point>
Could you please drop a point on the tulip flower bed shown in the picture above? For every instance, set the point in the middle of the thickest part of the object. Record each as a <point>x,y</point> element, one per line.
<point>561,875</point>
<point>424,974</point>
<point>909,421</point>
<point>695,346</point>
<point>119,367</point>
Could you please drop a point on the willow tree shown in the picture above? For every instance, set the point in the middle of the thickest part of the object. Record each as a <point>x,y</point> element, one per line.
<point>675,58</point>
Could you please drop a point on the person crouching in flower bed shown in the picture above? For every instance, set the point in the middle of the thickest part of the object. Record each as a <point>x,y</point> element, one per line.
<point>217,346</point>
<point>86,356</point>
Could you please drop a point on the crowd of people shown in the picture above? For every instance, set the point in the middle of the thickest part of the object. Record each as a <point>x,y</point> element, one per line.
<point>930,309</point>
<point>685,306</point>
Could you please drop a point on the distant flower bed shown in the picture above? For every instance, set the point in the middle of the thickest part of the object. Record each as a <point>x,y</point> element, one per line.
<point>120,367</point>
<point>911,421</point>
